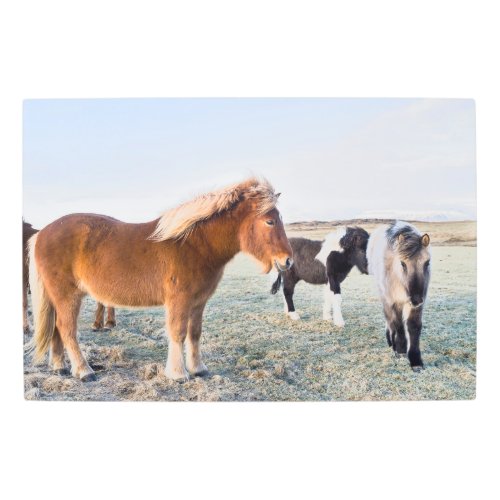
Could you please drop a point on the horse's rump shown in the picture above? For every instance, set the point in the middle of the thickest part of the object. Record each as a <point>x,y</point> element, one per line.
<point>102,256</point>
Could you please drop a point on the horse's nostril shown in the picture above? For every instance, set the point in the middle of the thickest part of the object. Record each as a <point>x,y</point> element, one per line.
<point>289,263</point>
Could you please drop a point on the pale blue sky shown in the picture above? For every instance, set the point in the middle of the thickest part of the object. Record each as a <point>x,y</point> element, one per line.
<point>331,158</point>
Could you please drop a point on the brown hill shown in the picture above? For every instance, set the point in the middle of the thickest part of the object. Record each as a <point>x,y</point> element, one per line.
<point>455,233</point>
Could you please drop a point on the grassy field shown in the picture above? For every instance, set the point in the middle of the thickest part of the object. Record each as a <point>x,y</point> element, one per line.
<point>255,353</point>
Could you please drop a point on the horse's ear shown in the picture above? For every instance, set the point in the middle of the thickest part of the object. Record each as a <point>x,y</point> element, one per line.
<point>401,238</point>
<point>277,195</point>
<point>425,240</point>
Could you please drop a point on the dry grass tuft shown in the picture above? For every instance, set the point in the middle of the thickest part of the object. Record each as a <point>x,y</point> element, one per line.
<point>33,394</point>
<point>152,370</point>
<point>144,392</point>
<point>55,383</point>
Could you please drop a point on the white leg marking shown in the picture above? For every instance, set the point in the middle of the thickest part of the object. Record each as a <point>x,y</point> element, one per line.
<point>294,315</point>
<point>175,368</point>
<point>193,359</point>
<point>406,315</point>
<point>78,371</point>
<point>338,320</point>
<point>327,303</point>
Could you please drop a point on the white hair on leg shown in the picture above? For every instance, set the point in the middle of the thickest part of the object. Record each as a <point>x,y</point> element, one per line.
<point>327,303</point>
<point>338,320</point>
<point>406,315</point>
<point>331,244</point>
<point>294,315</point>
<point>176,368</point>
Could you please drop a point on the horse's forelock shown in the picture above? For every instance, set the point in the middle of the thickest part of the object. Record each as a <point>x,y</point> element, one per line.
<point>405,239</point>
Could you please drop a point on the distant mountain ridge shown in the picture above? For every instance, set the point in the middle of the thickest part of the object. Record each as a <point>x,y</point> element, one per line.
<point>451,233</point>
<point>421,215</point>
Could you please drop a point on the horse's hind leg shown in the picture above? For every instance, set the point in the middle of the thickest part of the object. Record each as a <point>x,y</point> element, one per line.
<point>391,325</point>
<point>388,334</point>
<point>99,317</point>
<point>67,311</point>
<point>194,363</point>
<point>110,319</point>
<point>56,354</point>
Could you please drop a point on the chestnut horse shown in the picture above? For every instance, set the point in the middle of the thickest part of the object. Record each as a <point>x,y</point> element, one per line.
<point>28,232</point>
<point>175,261</point>
<point>99,318</point>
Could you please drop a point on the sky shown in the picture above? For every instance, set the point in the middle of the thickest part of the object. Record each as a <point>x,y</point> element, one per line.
<point>331,159</point>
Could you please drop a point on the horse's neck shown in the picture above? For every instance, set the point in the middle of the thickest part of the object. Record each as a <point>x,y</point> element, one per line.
<point>218,239</point>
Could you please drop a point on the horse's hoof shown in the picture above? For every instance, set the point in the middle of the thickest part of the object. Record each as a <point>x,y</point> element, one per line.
<point>178,377</point>
<point>294,315</point>
<point>97,367</point>
<point>90,377</point>
<point>109,325</point>
<point>417,369</point>
<point>96,328</point>
<point>62,372</point>
<point>201,373</point>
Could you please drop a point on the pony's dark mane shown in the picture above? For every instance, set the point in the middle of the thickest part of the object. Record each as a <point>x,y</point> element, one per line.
<point>410,243</point>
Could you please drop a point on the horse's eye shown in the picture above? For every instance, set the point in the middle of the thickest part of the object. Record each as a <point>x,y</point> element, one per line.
<point>270,222</point>
<point>427,264</point>
<point>403,265</point>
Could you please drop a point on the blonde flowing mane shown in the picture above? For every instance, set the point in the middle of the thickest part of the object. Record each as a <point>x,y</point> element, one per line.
<point>178,222</point>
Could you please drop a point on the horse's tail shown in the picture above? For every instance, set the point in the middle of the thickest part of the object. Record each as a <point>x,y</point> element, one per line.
<point>44,314</point>
<point>276,285</point>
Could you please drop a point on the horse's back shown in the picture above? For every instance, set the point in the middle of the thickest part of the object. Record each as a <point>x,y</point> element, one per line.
<point>111,260</point>
<point>67,236</point>
<point>306,265</point>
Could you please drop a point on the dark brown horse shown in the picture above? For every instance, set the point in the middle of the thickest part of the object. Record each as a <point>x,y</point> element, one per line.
<point>175,261</point>
<point>28,232</point>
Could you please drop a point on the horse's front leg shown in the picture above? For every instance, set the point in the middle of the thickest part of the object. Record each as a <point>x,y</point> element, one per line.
<point>177,323</point>
<point>288,289</point>
<point>413,327</point>
<point>194,362</point>
<point>333,301</point>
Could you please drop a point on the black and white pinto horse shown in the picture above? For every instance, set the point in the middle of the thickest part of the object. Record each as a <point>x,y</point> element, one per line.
<point>327,263</point>
<point>399,258</point>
